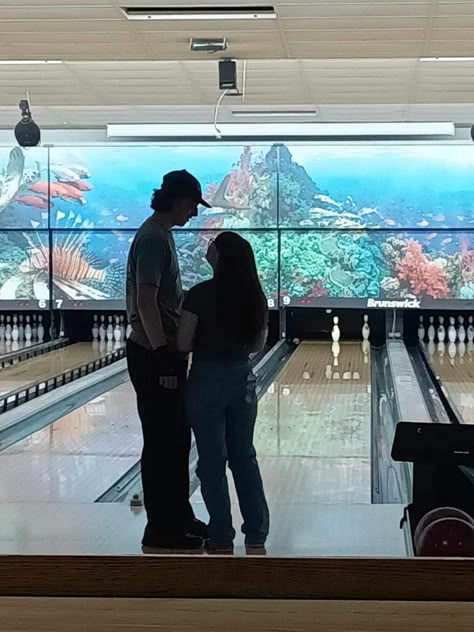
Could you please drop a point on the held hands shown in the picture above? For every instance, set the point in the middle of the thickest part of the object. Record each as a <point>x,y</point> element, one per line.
<point>167,361</point>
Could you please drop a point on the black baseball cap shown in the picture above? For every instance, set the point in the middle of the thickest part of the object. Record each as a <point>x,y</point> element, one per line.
<point>183,184</point>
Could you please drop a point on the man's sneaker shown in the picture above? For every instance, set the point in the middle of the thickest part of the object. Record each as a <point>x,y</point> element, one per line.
<point>199,529</point>
<point>186,542</point>
<point>219,548</point>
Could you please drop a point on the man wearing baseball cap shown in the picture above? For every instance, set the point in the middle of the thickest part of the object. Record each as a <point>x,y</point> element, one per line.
<point>157,372</point>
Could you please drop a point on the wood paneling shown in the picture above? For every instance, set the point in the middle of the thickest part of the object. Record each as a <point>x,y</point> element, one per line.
<point>208,577</point>
<point>139,615</point>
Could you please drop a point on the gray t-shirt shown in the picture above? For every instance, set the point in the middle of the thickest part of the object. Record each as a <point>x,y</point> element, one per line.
<point>152,261</point>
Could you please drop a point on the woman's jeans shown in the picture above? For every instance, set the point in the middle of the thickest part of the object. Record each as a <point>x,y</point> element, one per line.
<point>221,406</point>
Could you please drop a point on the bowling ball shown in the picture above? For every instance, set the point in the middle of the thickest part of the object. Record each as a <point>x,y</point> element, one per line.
<point>447,537</point>
<point>437,514</point>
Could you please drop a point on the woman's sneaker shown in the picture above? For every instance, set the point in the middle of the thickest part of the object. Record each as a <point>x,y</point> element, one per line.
<point>256,543</point>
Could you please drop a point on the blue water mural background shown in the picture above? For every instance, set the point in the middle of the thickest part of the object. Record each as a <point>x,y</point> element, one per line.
<point>353,220</point>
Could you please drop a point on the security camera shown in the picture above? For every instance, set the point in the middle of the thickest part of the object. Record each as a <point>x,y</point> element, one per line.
<point>27,133</point>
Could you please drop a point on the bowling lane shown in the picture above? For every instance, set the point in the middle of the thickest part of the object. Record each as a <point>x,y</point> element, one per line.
<point>77,458</point>
<point>313,435</point>
<point>54,363</point>
<point>453,364</point>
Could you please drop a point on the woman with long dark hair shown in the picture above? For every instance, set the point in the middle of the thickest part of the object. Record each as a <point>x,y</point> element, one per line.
<point>223,322</point>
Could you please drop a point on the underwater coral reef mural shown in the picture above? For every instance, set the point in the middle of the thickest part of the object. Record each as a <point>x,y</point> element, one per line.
<point>117,183</point>
<point>192,246</point>
<point>24,268</point>
<point>20,171</point>
<point>385,265</point>
<point>328,222</point>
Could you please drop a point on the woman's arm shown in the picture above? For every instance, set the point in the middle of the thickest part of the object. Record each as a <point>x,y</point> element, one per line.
<point>187,332</point>
<point>259,343</point>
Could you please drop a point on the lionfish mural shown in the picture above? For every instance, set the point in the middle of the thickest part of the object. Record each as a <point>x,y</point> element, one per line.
<point>74,272</point>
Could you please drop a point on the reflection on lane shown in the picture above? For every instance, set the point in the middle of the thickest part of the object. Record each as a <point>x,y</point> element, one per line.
<point>453,363</point>
<point>54,363</point>
<point>313,430</point>
<point>78,457</point>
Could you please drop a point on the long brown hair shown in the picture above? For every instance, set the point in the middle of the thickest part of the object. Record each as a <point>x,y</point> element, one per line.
<point>242,306</point>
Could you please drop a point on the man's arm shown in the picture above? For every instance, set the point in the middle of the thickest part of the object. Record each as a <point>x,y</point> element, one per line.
<point>151,262</point>
<point>259,344</point>
<point>150,315</point>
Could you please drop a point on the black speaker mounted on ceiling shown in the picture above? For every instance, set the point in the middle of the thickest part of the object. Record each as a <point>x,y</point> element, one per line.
<point>227,74</point>
<point>27,133</point>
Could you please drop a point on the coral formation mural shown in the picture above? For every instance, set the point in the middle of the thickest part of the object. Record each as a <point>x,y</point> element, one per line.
<point>326,221</point>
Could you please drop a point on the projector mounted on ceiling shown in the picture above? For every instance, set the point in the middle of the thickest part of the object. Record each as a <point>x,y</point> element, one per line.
<point>208,45</point>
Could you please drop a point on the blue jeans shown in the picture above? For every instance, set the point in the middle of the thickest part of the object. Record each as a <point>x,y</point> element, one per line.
<point>221,405</point>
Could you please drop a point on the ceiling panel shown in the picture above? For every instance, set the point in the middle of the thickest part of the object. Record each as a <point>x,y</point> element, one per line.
<point>346,58</point>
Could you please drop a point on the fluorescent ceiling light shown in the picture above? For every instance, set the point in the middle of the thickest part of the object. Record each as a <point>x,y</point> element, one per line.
<point>29,62</point>
<point>200,13</point>
<point>273,113</point>
<point>282,130</point>
<point>446,59</point>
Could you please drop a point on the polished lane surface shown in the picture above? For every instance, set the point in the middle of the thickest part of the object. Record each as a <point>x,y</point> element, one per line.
<point>453,364</point>
<point>76,458</point>
<point>44,367</point>
<point>313,429</point>
<point>312,435</point>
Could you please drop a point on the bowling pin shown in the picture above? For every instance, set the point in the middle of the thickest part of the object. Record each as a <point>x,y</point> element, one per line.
<point>461,351</point>
<point>40,330</point>
<point>110,330</point>
<point>2,328</point>
<point>129,331</point>
<point>8,330</point>
<point>15,332</point>
<point>328,371</point>
<point>452,352</point>
<point>470,349</point>
<point>431,330</point>
<point>21,329</point>
<point>461,330</point>
<point>470,330</point>
<point>421,330</point>
<point>431,348</point>
<point>441,351</point>
<point>117,330</point>
<point>102,330</point>
<point>366,328</point>
<point>336,375</point>
<point>95,328</point>
<point>452,335</point>
<point>28,333</point>
<point>95,345</point>
<point>336,332</point>
<point>336,350</point>
<point>441,330</point>
<point>306,373</point>
<point>365,350</point>
<point>122,327</point>
<point>34,329</point>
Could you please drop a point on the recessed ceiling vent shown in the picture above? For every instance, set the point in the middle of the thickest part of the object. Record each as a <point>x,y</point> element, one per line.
<point>201,12</point>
